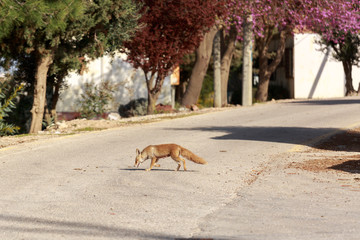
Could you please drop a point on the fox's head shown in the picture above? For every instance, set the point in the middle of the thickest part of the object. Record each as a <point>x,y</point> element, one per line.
<point>138,158</point>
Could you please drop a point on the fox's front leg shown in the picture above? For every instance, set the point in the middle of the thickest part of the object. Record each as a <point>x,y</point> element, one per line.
<point>153,161</point>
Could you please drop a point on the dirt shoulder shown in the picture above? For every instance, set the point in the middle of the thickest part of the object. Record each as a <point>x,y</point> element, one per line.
<point>340,152</point>
<point>334,162</point>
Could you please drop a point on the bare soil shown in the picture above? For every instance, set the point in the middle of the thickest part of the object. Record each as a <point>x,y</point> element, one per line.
<point>340,152</point>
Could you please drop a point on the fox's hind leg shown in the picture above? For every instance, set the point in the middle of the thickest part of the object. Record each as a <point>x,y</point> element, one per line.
<point>178,160</point>
<point>178,167</point>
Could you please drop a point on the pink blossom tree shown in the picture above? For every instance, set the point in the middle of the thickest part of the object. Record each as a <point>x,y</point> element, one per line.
<point>280,18</point>
<point>343,38</point>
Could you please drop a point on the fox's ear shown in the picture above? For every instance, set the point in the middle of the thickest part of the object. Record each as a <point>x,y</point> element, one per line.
<point>137,151</point>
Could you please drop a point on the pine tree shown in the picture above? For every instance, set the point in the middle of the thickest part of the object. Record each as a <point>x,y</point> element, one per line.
<point>56,35</point>
<point>7,97</point>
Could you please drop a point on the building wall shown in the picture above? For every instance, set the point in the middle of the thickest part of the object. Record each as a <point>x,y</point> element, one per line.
<point>318,74</point>
<point>131,83</point>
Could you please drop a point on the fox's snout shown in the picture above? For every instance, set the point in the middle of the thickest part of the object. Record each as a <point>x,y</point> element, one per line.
<point>137,164</point>
<point>137,158</point>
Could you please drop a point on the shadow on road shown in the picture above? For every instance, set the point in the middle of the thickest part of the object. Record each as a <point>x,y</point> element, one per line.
<point>155,170</point>
<point>352,166</point>
<point>42,226</point>
<point>329,101</point>
<point>291,135</point>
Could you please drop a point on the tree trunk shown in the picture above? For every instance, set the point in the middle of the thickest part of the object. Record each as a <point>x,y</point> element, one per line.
<point>350,91</point>
<point>266,69</point>
<point>37,111</point>
<point>228,49</point>
<point>154,89</point>
<point>264,79</point>
<point>152,98</point>
<point>203,55</point>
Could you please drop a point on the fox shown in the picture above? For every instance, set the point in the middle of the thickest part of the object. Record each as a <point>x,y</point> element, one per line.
<point>155,152</point>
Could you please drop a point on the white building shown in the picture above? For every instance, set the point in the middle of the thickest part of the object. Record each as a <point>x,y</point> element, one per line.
<point>131,83</point>
<point>308,72</point>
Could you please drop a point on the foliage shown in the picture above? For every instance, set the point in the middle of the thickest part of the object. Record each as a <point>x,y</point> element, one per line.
<point>102,29</point>
<point>278,92</point>
<point>72,28</point>
<point>7,104</point>
<point>38,23</point>
<point>64,31</point>
<point>346,51</point>
<point>95,99</point>
<point>171,30</point>
<point>206,98</point>
<point>88,129</point>
<point>35,34</point>
<point>8,12</point>
<point>298,15</point>
<point>133,108</point>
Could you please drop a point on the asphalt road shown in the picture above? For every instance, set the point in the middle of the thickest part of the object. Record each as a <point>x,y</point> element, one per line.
<point>85,187</point>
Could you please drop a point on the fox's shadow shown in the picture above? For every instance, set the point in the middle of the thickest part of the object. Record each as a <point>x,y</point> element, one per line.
<point>155,170</point>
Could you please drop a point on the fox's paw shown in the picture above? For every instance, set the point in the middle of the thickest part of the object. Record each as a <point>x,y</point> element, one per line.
<point>157,165</point>
<point>148,169</point>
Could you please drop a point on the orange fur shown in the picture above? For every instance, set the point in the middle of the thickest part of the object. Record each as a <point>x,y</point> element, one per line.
<point>155,152</point>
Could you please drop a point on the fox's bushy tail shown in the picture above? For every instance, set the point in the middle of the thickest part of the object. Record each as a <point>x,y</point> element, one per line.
<point>191,156</point>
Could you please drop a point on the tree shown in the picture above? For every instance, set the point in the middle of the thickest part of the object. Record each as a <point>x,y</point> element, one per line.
<point>105,25</point>
<point>7,97</point>
<point>74,28</point>
<point>281,18</point>
<point>171,30</point>
<point>228,46</point>
<point>39,35</point>
<point>338,24</point>
<point>203,56</point>
<point>344,39</point>
<point>347,52</point>
<point>198,72</point>
<point>10,13</point>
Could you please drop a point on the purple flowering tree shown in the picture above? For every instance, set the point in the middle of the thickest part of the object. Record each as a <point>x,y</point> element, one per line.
<point>279,18</point>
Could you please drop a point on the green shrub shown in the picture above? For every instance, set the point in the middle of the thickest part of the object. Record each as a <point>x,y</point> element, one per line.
<point>96,98</point>
<point>278,92</point>
<point>137,107</point>
<point>206,98</point>
<point>7,104</point>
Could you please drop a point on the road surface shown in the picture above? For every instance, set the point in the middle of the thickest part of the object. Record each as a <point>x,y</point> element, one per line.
<point>85,187</point>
